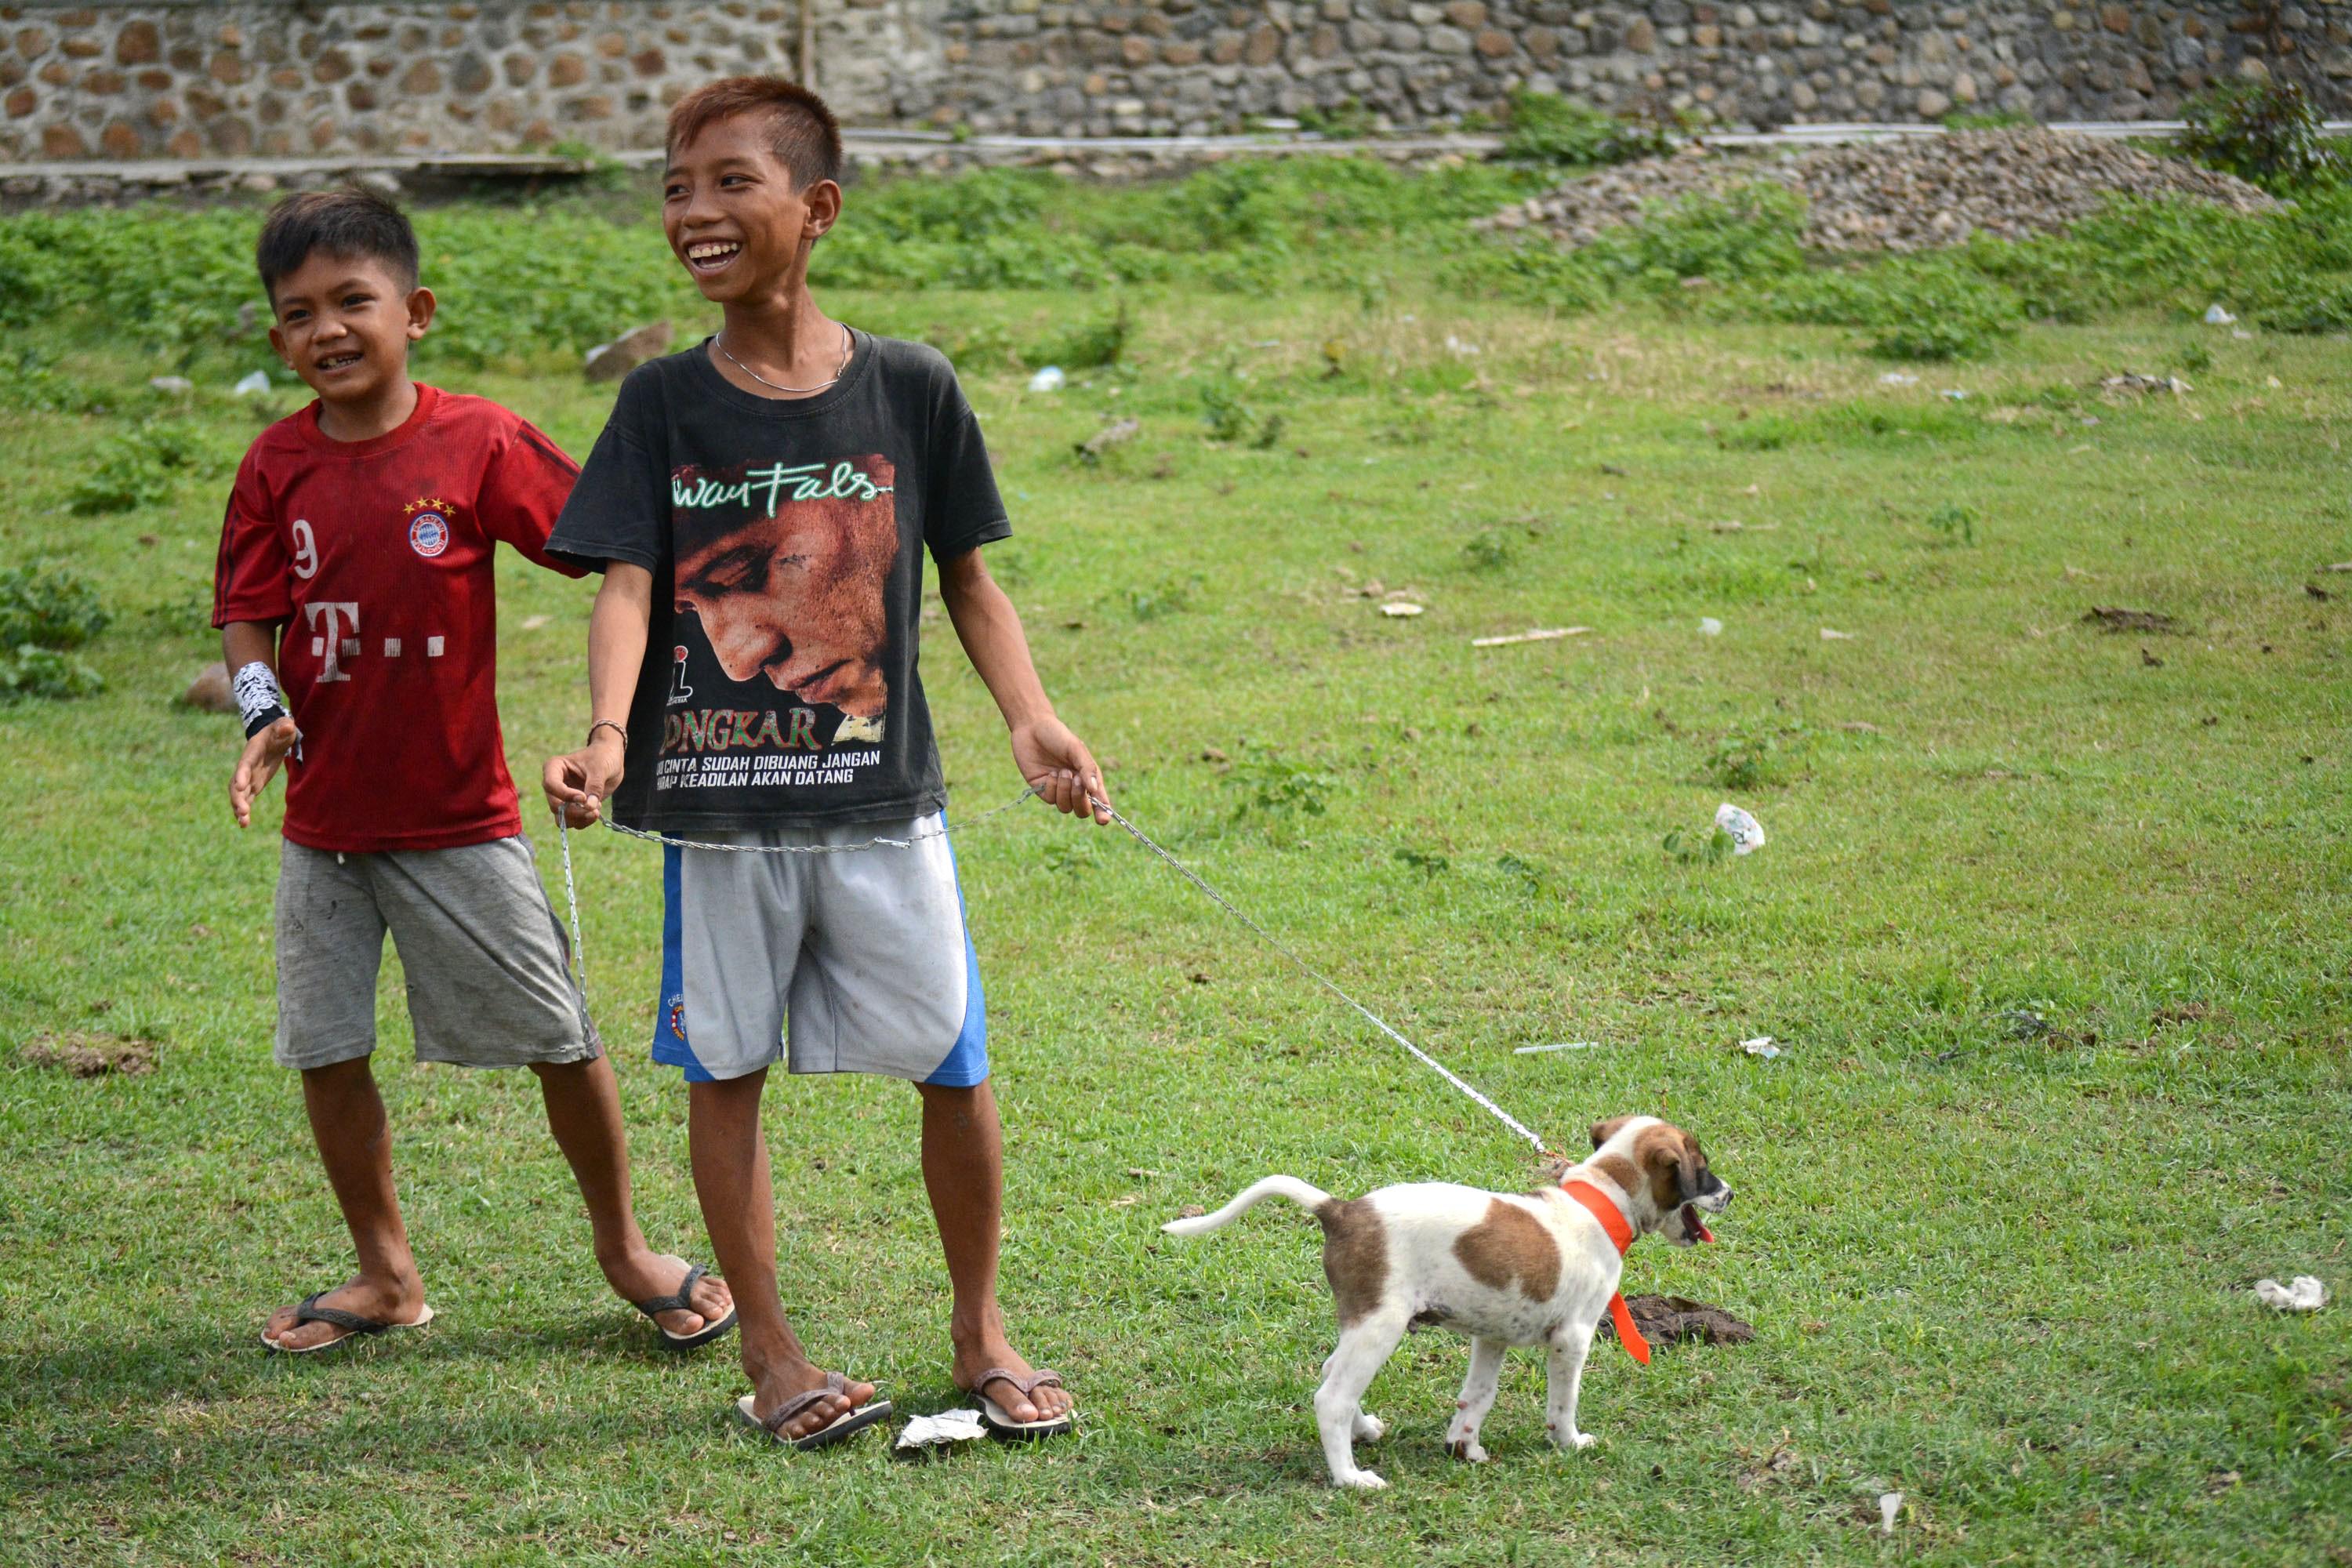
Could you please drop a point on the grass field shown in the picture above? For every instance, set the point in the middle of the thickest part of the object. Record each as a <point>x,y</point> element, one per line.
<point>2054,926</point>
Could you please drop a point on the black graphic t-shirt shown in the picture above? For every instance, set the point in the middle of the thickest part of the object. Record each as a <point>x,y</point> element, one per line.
<point>785,537</point>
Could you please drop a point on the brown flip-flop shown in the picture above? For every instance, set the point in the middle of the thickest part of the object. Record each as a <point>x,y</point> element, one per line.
<point>1000,1424</point>
<point>848,1424</point>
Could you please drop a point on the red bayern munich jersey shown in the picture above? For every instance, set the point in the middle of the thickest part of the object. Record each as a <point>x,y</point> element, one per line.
<point>377,556</point>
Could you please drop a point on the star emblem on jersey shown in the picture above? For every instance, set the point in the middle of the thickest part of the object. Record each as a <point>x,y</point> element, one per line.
<point>428,526</point>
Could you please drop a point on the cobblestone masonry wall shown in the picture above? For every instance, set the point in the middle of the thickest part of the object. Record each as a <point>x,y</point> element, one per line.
<point>273,78</point>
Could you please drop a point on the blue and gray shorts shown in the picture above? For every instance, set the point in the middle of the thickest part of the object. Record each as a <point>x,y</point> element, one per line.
<point>842,963</point>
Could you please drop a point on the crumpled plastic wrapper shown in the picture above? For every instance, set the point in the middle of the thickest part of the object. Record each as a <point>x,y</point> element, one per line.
<point>1747,833</point>
<point>944,1430</point>
<point>2304,1294</point>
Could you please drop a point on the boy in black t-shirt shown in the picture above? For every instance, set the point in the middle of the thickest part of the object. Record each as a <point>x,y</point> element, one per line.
<point>760,505</point>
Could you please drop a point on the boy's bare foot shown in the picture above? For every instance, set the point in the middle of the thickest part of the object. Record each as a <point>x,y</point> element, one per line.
<point>990,1350</point>
<point>387,1300</point>
<point>647,1274</point>
<point>775,1384</point>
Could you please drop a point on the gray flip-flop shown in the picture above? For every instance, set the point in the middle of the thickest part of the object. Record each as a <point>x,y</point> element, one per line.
<point>848,1424</point>
<point>354,1325</point>
<point>677,1302</point>
<point>1000,1424</point>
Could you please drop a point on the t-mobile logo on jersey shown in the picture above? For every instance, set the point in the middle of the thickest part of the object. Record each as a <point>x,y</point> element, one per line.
<point>330,648</point>
<point>679,691</point>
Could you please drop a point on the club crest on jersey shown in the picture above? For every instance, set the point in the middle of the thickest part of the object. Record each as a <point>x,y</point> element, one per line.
<point>678,1016</point>
<point>428,526</point>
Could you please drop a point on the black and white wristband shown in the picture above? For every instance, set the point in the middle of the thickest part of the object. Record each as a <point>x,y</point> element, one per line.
<point>255,689</point>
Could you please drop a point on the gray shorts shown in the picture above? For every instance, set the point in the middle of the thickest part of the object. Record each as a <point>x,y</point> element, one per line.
<point>865,953</point>
<point>489,979</point>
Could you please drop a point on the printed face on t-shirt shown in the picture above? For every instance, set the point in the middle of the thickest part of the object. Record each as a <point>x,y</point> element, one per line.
<point>797,594</point>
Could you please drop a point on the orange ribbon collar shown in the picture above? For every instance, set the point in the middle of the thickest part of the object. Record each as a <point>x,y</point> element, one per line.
<point>1613,1220</point>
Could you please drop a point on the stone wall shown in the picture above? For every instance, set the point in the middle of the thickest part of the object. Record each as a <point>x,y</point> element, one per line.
<point>1042,67</point>
<point>294,78</point>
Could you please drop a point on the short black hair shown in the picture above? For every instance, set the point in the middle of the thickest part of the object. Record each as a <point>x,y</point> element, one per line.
<point>803,133</point>
<point>346,224</point>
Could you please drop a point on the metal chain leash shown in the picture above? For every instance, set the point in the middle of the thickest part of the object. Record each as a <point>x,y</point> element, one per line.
<point>1471,1091</point>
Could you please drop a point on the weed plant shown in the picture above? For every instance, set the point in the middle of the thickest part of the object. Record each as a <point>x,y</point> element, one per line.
<point>2268,132</point>
<point>44,615</point>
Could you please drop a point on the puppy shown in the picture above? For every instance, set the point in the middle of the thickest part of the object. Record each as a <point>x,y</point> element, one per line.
<point>1505,1269</point>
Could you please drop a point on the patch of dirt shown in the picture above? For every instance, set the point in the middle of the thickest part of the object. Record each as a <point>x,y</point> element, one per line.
<point>87,1053</point>
<point>1762,1470</point>
<point>1665,1319</point>
<point>2113,618</point>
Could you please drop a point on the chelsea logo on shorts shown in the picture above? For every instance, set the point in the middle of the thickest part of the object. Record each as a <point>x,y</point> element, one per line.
<point>428,526</point>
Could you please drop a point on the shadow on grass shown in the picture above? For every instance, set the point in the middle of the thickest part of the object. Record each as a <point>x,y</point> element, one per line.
<point>104,1371</point>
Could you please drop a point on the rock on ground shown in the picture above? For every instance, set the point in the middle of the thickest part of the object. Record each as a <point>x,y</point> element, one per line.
<point>1915,193</point>
<point>611,362</point>
<point>211,690</point>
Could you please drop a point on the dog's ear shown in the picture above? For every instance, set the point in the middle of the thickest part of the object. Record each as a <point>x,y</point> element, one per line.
<point>1671,1161</point>
<point>1604,1130</point>
<point>1690,1164</point>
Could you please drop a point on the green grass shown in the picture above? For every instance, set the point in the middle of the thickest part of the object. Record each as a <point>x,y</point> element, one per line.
<point>2008,1276</point>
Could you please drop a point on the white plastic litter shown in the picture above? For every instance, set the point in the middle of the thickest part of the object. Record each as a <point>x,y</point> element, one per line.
<point>1899,378</point>
<point>1747,833</point>
<point>1049,379</point>
<point>1761,1045</point>
<point>1548,634</point>
<point>946,1427</point>
<point>1402,607</point>
<point>1461,348</point>
<point>170,384</point>
<point>2305,1294</point>
<point>2217,317</point>
<point>257,382</point>
<point>1830,634</point>
<point>1955,393</point>
<point>1889,1505</point>
<point>1563,1046</point>
<point>1708,626</point>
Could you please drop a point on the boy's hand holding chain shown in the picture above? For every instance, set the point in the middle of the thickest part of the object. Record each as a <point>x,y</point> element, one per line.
<point>578,784</point>
<point>1057,765</point>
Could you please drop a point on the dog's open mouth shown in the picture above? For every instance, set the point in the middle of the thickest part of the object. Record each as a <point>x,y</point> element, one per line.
<point>1694,1226</point>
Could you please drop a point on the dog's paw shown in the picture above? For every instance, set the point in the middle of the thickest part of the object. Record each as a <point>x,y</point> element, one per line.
<point>1467,1450</point>
<point>1577,1442</point>
<point>1360,1481</point>
<point>1369,1428</point>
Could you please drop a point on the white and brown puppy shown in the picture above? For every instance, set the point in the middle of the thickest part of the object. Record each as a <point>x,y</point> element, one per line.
<point>1507,1269</point>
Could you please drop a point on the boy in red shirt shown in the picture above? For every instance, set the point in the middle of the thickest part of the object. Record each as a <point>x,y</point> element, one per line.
<point>363,527</point>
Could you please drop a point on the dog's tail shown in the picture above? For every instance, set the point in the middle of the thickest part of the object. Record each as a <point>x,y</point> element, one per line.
<point>1291,1187</point>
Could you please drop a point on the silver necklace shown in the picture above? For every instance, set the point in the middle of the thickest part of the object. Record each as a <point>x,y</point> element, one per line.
<point>848,347</point>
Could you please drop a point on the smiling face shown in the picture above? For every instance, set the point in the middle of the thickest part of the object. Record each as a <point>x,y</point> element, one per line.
<point>343,324</point>
<point>735,217</point>
<point>798,597</point>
